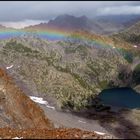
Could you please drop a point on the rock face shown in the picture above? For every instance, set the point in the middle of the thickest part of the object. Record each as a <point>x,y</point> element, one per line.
<point>16,109</point>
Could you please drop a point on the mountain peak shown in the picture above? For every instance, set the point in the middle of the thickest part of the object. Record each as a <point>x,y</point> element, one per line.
<point>70,22</point>
<point>67,16</point>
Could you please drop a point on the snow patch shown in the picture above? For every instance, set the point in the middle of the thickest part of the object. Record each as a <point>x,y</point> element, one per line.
<point>41,101</point>
<point>100,133</point>
<point>135,46</point>
<point>81,121</point>
<point>17,138</point>
<point>51,107</point>
<point>9,67</point>
<point>38,100</point>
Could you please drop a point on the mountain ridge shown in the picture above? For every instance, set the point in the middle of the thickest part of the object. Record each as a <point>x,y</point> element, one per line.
<point>99,25</point>
<point>130,34</point>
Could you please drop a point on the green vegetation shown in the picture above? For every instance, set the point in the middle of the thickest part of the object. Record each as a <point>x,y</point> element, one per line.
<point>70,50</point>
<point>82,81</point>
<point>121,76</point>
<point>20,48</point>
<point>82,50</point>
<point>132,38</point>
<point>128,55</point>
<point>136,75</point>
<point>13,45</point>
<point>104,84</point>
<point>93,68</point>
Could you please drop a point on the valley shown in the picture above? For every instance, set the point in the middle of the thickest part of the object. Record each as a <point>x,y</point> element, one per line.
<point>70,87</point>
<point>70,70</point>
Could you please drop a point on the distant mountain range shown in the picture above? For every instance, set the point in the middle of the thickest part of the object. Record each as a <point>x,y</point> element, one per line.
<point>100,25</point>
<point>116,23</point>
<point>69,23</point>
<point>126,20</point>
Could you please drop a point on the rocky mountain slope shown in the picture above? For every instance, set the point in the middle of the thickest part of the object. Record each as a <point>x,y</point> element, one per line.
<point>67,23</point>
<point>116,23</point>
<point>16,109</point>
<point>100,25</point>
<point>131,34</point>
<point>73,71</point>
<point>20,117</point>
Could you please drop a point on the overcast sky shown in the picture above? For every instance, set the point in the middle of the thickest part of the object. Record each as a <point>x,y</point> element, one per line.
<point>32,12</point>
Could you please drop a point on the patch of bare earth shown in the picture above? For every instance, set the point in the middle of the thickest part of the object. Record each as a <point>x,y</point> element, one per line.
<point>59,133</point>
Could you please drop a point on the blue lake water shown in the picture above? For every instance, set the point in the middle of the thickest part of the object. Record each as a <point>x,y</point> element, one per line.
<point>121,97</point>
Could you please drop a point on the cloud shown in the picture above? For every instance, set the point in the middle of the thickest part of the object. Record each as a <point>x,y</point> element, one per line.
<point>119,10</point>
<point>21,24</point>
<point>44,10</point>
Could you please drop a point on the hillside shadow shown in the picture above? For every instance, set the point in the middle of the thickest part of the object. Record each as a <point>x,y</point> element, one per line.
<point>116,123</point>
<point>119,125</point>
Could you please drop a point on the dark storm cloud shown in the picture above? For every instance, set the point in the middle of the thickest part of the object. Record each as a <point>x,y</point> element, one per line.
<point>44,10</point>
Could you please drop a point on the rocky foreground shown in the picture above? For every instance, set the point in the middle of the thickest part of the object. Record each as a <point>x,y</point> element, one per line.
<point>60,133</point>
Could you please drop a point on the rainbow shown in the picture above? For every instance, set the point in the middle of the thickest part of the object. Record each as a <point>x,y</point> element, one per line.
<point>56,34</point>
<point>51,35</point>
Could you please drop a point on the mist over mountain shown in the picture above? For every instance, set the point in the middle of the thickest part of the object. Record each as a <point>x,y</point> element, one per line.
<point>70,22</point>
<point>100,25</point>
<point>119,19</point>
